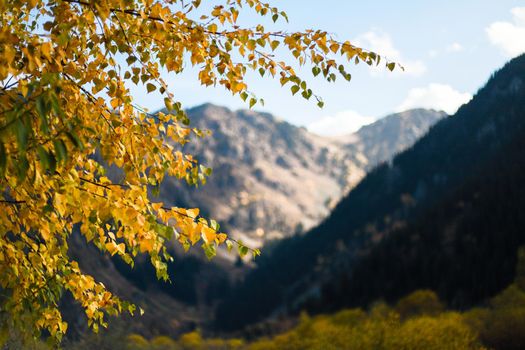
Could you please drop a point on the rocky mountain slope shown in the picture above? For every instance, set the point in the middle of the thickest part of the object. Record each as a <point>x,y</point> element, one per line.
<point>391,135</point>
<point>272,179</point>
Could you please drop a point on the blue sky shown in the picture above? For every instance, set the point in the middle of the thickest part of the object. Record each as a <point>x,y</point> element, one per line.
<point>449,49</point>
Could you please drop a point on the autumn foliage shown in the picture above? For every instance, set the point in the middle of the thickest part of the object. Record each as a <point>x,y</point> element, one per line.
<point>67,115</point>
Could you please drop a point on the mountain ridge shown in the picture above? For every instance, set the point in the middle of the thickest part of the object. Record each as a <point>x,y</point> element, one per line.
<point>272,179</point>
<point>389,199</point>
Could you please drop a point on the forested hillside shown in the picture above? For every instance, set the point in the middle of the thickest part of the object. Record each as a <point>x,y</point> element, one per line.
<point>419,320</point>
<point>445,214</point>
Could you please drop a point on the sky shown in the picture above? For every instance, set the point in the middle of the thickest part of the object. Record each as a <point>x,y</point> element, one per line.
<point>449,48</point>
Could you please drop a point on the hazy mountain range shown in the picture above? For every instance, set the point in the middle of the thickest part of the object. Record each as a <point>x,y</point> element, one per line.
<point>272,179</point>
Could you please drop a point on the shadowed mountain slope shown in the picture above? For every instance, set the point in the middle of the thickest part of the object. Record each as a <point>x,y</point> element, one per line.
<point>445,214</point>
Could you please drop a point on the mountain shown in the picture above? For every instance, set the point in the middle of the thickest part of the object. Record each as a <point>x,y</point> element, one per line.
<point>390,135</point>
<point>272,179</point>
<point>268,175</point>
<point>445,214</point>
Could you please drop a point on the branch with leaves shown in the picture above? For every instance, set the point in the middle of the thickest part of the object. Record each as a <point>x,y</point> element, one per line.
<point>66,68</point>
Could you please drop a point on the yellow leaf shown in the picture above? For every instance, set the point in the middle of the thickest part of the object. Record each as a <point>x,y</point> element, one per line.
<point>208,234</point>
<point>111,248</point>
<point>334,47</point>
<point>146,245</point>
<point>45,48</point>
<point>192,213</point>
<point>157,206</point>
<point>195,233</point>
<point>221,237</point>
<point>114,103</point>
<point>141,220</point>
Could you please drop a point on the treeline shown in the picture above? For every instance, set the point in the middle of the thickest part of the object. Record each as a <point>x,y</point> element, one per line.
<point>417,321</point>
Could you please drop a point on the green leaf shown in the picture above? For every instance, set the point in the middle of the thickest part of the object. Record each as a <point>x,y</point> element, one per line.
<point>209,250</point>
<point>60,150</point>
<point>205,170</point>
<point>52,163</point>
<point>150,87</point>
<point>243,250</point>
<point>75,140</point>
<point>21,134</point>
<point>294,89</point>
<point>252,102</point>
<point>214,225</point>
<point>43,157</point>
<point>131,59</point>
<point>42,109</point>
<point>184,119</point>
<point>168,104</point>
<point>22,165</point>
<point>391,66</point>
<point>93,218</point>
<point>160,229</point>
<point>41,106</point>
<point>170,233</point>
<point>307,94</point>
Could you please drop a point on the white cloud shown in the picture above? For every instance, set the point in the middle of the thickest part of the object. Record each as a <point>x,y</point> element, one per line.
<point>382,44</point>
<point>454,47</point>
<point>379,42</point>
<point>341,123</point>
<point>509,36</point>
<point>437,96</point>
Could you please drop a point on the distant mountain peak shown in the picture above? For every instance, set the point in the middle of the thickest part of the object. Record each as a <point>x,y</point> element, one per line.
<point>272,179</point>
<point>392,134</point>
